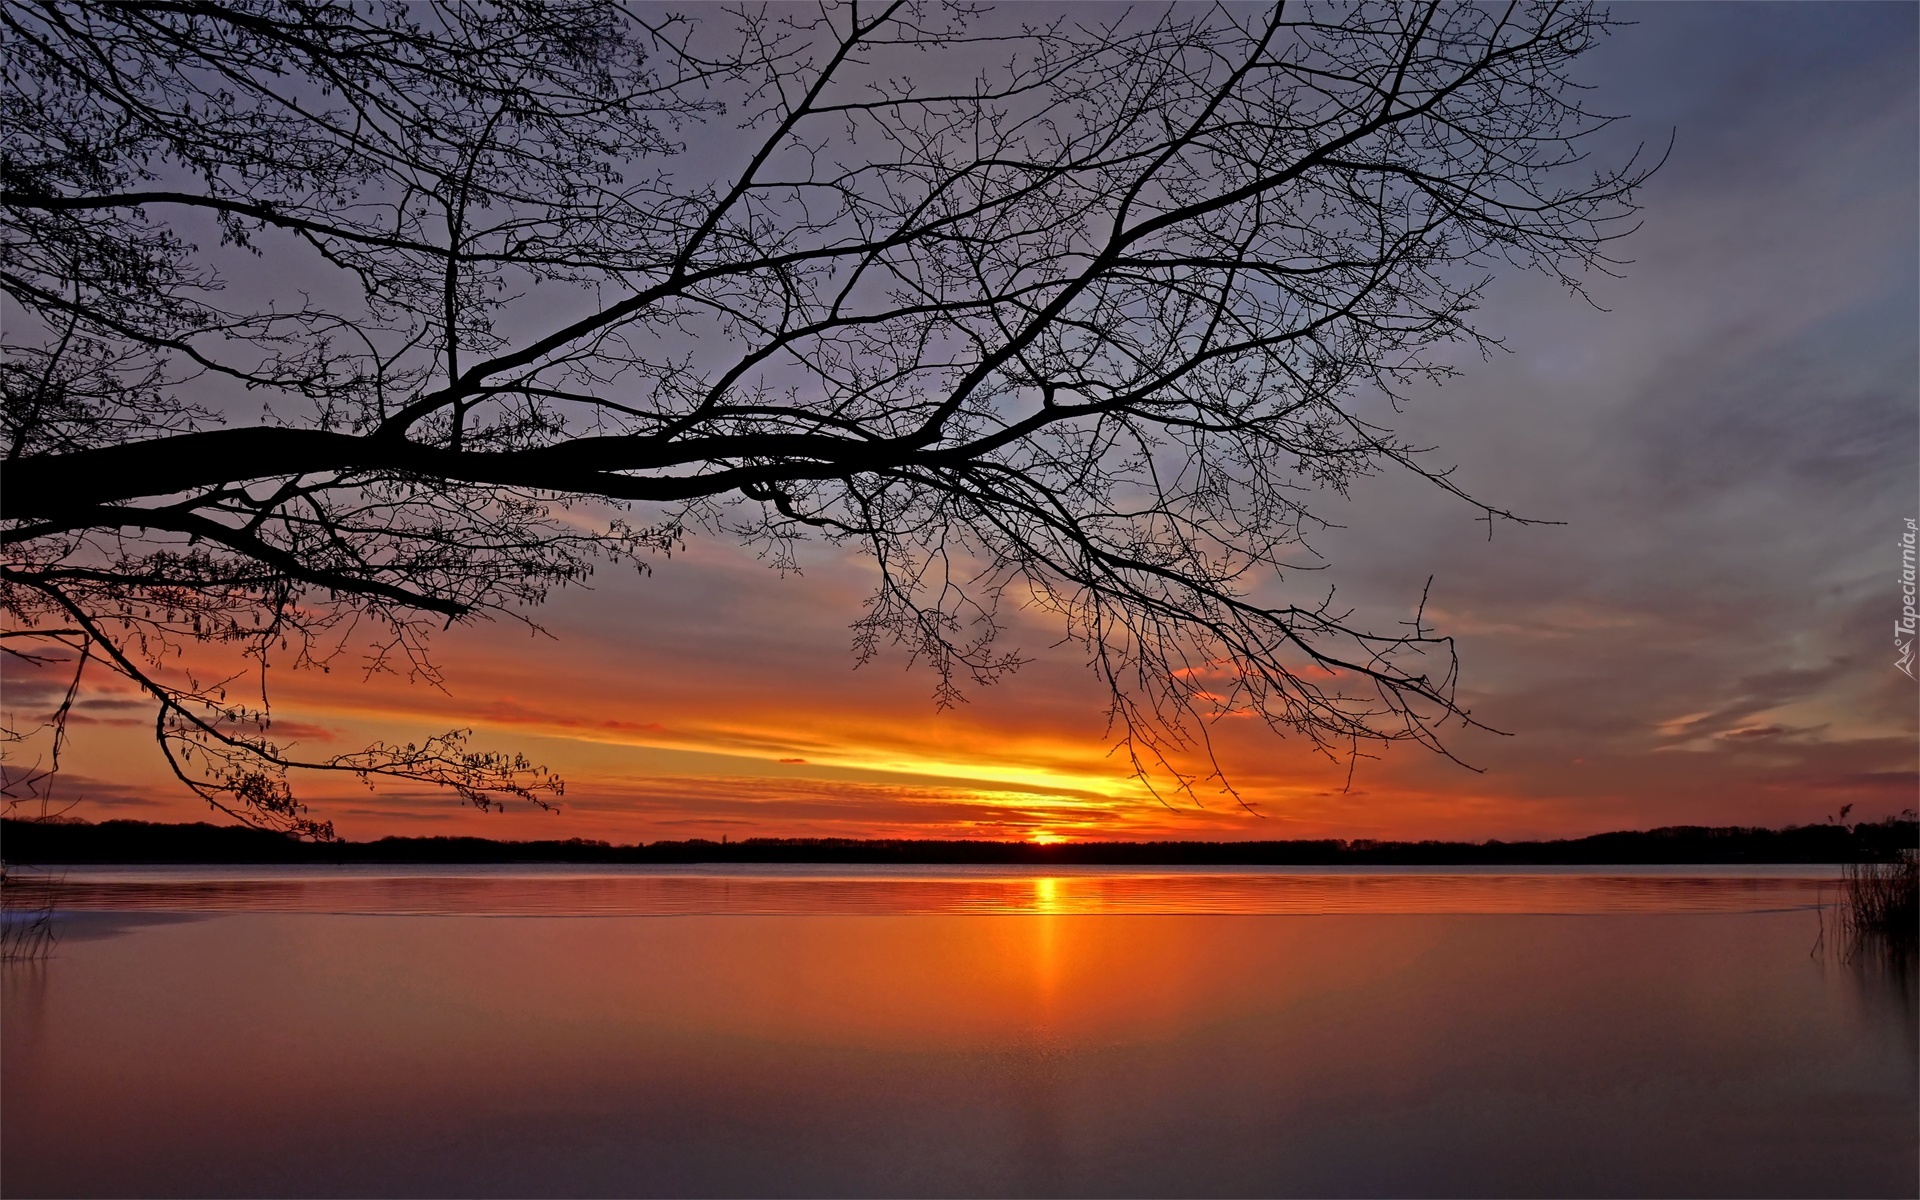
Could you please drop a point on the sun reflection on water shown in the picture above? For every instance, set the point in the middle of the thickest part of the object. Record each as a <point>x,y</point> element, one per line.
<point>1046,895</point>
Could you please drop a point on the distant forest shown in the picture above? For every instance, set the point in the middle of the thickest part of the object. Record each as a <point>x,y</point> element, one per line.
<point>144,842</point>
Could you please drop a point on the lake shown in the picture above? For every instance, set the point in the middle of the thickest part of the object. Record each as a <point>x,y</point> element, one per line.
<point>954,1031</point>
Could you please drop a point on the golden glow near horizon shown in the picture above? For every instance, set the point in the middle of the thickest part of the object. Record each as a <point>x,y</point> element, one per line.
<point>746,718</point>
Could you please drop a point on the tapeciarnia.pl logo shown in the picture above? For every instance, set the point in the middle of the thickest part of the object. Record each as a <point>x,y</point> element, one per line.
<point>1903,628</point>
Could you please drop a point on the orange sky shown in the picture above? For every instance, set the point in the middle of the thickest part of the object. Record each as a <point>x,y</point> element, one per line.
<point>717,698</point>
<point>1705,640</point>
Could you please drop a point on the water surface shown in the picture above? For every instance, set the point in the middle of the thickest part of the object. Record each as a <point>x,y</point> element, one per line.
<point>1002,890</point>
<point>971,1031</point>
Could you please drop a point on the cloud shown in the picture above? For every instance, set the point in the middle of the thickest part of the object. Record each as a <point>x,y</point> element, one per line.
<point>1748,732</point>
<point>285,731</point>
<point>93,792</point>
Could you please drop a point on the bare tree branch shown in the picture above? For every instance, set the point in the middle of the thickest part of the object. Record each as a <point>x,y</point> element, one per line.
<point>1081,317</point>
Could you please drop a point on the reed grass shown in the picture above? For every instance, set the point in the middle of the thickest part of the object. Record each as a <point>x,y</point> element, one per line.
<point>1881,900</point>
<point>26,916</point>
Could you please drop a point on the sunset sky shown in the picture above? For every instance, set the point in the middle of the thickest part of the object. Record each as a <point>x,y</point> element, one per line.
<point>1729,441</point>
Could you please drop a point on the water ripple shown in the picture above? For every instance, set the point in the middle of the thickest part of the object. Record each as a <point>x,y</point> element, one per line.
<point>830,890</point>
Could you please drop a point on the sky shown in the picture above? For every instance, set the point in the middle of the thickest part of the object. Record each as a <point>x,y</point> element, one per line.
<point>1727,436</point>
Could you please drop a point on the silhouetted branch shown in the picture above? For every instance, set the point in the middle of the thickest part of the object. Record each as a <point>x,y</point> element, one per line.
<point>1081,315</point>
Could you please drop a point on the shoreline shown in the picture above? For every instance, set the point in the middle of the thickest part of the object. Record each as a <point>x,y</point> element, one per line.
<point>131,843</point>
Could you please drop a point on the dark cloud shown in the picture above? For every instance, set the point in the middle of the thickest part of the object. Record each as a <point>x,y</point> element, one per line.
<point>114,704</point>
<point>88,792</point>
<point>302,731</point>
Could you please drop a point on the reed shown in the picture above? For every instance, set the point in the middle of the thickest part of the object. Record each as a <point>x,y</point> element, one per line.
<point>26,916</point>
<point>1882,899</point>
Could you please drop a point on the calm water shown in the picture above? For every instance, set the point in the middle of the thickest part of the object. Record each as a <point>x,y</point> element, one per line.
<point>952,1032</point>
